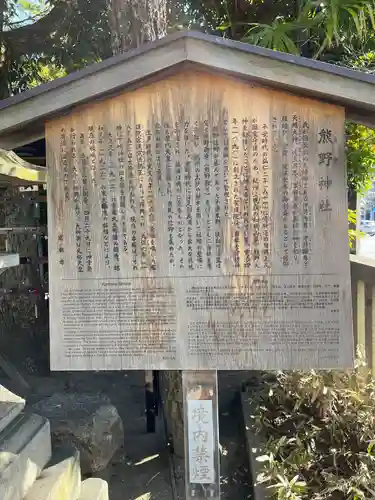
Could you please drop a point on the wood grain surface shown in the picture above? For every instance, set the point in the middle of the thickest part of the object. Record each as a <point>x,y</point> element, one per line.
<point>199,223</point>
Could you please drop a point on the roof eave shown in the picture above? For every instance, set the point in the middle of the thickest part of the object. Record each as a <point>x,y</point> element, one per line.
<point>23,118</point>
<point>356,95</point>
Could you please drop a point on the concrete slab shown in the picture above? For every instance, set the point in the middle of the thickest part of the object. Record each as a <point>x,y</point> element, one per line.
<point>94,489</point>
<point>58,482</point>
<point>11,406</point>
<point>25,449</point>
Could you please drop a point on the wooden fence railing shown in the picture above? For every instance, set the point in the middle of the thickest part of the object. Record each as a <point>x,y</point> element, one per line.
<point>363,294</point>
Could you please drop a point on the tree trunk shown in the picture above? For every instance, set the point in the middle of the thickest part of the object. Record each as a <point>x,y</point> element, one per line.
<point>135,22</point>
<point>173,406</point>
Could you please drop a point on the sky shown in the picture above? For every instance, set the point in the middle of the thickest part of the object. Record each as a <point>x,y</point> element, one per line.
<point>25,8</point>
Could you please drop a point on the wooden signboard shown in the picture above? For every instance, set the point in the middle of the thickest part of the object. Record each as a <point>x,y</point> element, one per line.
<point>199,223</point>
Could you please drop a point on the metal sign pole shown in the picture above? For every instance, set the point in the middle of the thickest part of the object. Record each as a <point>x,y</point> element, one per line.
<point>201,434</point>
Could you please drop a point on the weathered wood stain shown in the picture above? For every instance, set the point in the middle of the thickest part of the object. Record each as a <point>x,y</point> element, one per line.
<point>232,204</point>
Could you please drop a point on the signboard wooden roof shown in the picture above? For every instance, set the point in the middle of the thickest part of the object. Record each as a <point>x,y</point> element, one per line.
<point>16,171</point>
<point>196,189</point>
<point>22,117</point>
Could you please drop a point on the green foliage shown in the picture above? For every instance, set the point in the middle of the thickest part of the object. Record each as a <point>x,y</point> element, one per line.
<point>320,431</point>
<point>30,72</point>
<point>353,233</point>
<point>360,154</point>
<point>46,73</point>
<point>63,34</point>
<point>362,62</point>
<point>276,36</point>
<point>76,32</point>
<point>337,19</point>
<point>312,28</point>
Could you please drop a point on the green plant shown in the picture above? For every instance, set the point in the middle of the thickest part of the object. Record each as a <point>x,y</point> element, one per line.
<point>320,435</point>
<point>360,160</point>
<point>360,154</point>
<point>322,26</point>
<point>354,234</point>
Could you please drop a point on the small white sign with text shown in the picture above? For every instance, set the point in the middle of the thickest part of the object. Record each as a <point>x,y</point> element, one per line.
<point>201,442</point>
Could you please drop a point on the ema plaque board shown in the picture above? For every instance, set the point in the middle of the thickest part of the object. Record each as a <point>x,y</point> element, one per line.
<point>199,223</point>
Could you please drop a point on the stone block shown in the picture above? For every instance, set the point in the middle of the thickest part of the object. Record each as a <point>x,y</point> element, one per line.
<point>11,406</point>
<point>61,481</point>
<point>87,422</point>
<point>94,489</point>
<point>25,449</point>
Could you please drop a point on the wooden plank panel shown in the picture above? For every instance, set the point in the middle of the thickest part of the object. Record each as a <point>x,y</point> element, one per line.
<point>361,324</point>
<point>192,226</point>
